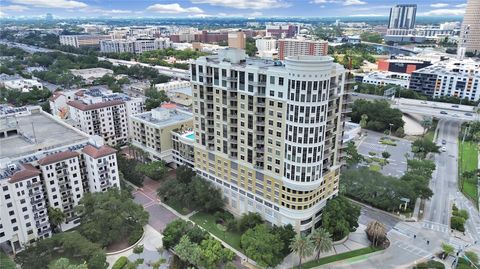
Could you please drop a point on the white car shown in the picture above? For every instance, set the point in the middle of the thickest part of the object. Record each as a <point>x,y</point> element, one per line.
<point>444,149</point>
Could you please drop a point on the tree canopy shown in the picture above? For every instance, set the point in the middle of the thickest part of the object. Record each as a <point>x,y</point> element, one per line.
<point>68,245</point>
<point>262,246</point>
<point>379,113</point>
<point>110,216</point>
<point>340,217</point>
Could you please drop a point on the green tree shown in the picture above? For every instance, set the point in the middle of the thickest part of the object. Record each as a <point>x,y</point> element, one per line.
<point>250,47</point>
<point>353,157</point>
<point>322,241</point>
<point>249,221</point>
<point>340,217</point>
<point>372,37</point>
<point>472,257</point>
<point>379,114</point>
<point>422,146</point>
<point>173,232</point>
<point>64,263</point>
<point>155,170</point>
<point>262,246</point>
<point>188,251</point>
<point>426,124</point>
<point>56,217</point>
<point>70,245</point>
<point>213,253</point>
<point>386,155</point>
<point>107,217</point>
<point>303,246</point>
<point>286,234</point>
<point>364,121</point>
<point>206,197</point>
<point>447,249</point>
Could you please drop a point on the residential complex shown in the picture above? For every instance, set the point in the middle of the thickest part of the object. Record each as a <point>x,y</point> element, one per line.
<point>266,48</point>
<point>78,41</point>
<point>237,40</point>
<point>470,31</point>
<point>301,47</point>
<point>282,30</point>
<point>402,64</point>
<point>98,112</point>
<point>138,45</point>
<point>46,163</point>
<point>165,133</point>
<point>449,78</point>
<point>387,78</point>
<point>269,134</point>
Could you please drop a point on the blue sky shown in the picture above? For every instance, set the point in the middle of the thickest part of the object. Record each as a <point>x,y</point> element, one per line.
<point>205,8</point>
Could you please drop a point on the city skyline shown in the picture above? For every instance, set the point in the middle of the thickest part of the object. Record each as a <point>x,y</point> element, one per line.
<point>217,8</point>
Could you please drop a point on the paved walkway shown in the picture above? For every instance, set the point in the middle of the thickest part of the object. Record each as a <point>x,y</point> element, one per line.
<point>356,240</point>
<point>151,241</point>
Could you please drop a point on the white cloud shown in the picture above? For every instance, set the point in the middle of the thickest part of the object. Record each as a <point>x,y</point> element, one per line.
<point>51,3</point>
<point>256,14</point>
<point>245,4</point>
<point>343,2</point>
<point>118,11</point>
<point>16,8</point>
<point>173,9</point>
<point>444,12</point>
<point>368,15</point>
<point>461,5</point>
<point>439,5</point>
<point>2,14</point>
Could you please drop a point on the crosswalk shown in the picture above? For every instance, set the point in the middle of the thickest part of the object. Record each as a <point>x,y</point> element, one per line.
<point>438,227</point>
<point>412,249</point>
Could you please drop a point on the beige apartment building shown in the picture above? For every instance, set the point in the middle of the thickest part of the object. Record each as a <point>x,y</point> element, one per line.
<point>269,135</point>
<point>301,47</point>
<point>78,41</point>
<point>237,40</point>
<point>165,133</point>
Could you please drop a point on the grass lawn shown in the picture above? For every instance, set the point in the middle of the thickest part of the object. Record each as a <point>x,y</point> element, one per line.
<point>375,167</point>
<point>6,262</point>
<point>179,207</point>
<point>431,132</point>
<point>468,162</point>
<point>207,222</point>
<point>342,256</point>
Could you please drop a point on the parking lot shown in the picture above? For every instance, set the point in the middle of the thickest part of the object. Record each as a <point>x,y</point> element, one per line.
<point>397,161</point>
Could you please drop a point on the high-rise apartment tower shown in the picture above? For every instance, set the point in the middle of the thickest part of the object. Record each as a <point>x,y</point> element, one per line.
<point>470,32</point>
<point>268,133</point>
<point>402,17</point>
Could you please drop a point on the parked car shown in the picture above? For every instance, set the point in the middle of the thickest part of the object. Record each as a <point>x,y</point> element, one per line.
<point>444,149</point>
<point>468,114</point>
<point>455,106</point>
<point>444,142</point>
<point>443,112</point>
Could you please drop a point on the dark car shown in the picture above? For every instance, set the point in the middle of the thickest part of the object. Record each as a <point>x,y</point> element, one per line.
<point>443,112</point>
<point>468,114</point>
<point>444,142</point>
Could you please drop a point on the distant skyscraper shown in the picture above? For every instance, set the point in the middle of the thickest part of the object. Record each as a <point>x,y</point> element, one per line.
<point>402,17</point>
<point>470,33</point>
<point>49,17</point>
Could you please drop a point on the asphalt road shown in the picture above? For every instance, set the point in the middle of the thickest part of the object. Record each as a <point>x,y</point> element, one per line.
<point>443,183</point>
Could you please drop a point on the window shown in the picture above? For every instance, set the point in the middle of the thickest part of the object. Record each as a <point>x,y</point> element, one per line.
<point>280,81</point>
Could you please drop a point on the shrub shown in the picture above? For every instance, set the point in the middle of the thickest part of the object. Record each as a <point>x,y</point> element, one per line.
<point>461,213</point>
<point>430,265</point>
<point>372,153</point>
<point>120,263</point>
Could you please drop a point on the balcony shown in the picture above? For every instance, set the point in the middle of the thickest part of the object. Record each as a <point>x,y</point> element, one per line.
<point>258,83</point>
<point>261,123</point>
<point>231,78</point>
<point>347,110</point>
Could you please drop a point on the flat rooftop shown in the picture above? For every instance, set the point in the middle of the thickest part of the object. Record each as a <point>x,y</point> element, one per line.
<point>37,131</point>
<point>174,116</point>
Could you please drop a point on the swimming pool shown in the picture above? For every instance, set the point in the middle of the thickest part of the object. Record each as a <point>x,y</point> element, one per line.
<point>191,136</point>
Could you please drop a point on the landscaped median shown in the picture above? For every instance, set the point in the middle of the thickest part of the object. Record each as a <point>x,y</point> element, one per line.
<point>351,256</point>
<point>468,165</point>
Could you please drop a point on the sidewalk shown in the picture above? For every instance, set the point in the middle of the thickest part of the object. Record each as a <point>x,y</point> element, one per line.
<point>356,240</point>
<point>151,241</point>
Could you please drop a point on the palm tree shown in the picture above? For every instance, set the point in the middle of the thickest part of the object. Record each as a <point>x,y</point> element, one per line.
<point>56,217</point>
<point>426,124</point>
<point>376,232</point>
<point>322,241</point>
<point>363,120</point>
<point>303,246</point>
